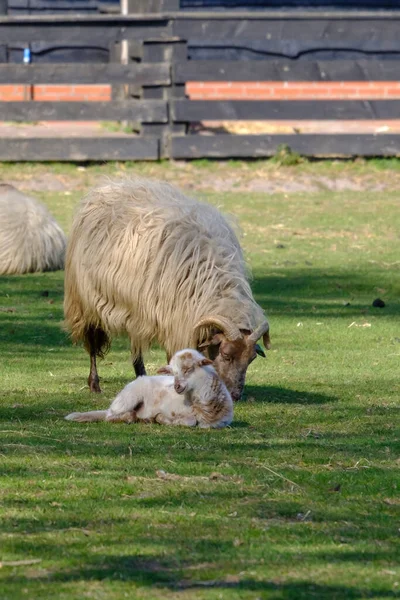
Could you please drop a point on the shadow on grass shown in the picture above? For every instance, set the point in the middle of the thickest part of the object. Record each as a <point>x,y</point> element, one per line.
<point>159,573</point>
<point>22,333</point>
<point>13,411</point>
<point>277,395</point>
<point>322,293</point>
<point>33,286</point>
<point>308,292</point>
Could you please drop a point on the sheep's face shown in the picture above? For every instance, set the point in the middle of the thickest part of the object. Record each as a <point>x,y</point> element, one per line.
<point>231,359</point>
<point>183,366</point>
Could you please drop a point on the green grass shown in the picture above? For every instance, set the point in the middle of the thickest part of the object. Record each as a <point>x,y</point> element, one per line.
<point>303,498</point>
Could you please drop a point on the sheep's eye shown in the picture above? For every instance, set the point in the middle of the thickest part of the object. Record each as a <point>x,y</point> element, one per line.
<point>227,357</point>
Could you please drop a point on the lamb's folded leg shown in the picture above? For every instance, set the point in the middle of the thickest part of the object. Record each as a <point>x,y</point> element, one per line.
<point>183,420</point>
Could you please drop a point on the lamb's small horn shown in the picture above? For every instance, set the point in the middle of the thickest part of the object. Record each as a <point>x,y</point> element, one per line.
<point>261,331</point>
<point>231,331</point>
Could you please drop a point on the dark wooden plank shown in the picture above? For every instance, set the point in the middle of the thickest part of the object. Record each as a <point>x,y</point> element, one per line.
<point>302,69</point>
<point>109,8</point>
<point>258,146</point>
<point>232,15</point>
<point>171,5</point>
<point>238,110</point>
<point>144,6</point>
<point>55,5</point>
<point>153,6</point>
<point>79,149</point>
<point>279,32</point>
<point>293,35</point>
<point>139,74</point>
<point>300,12</point>
<point>135,110</point>
<point>258,4</point>
<point>93,29</point>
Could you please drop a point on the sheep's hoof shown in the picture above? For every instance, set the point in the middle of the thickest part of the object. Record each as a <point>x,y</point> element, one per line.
<point>94,385</point>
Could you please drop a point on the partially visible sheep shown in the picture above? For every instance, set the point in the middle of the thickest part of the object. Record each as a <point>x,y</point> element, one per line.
<point>186,392</point>
<point>30,239</point>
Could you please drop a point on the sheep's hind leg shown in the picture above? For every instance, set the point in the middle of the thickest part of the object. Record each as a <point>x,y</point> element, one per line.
<point>93,379</point>
<point>93,346</point>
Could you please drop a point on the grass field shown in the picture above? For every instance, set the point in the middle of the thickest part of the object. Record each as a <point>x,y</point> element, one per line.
<point>299,499</point>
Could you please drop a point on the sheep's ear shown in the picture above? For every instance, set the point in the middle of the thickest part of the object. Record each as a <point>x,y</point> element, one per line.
<point>204,362</point>
<point>165,370</point>
<point>214,341</point>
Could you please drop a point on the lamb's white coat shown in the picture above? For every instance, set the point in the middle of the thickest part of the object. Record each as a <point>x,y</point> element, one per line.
<point>203,398</point>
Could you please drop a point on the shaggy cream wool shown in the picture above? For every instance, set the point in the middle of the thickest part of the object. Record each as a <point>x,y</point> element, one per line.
<point>145,259</point>
<point>30,239</point>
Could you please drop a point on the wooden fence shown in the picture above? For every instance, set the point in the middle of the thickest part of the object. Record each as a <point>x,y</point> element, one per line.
<point>284,46</point>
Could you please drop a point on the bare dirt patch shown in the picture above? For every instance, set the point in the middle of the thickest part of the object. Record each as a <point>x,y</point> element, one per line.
<point>232,177</point>
<point>260,176</point>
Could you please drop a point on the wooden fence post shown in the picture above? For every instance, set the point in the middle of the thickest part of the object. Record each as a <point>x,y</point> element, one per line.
<point>3,48</point>
<point>159,52</point>
<point>165,52</point>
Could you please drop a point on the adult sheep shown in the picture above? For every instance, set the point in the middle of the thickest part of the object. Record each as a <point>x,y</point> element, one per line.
<point>145,259</point>
<point>30,239</point>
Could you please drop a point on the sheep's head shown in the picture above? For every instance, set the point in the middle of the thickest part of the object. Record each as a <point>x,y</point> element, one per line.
<point>231,349</point>
<point>183,366</point>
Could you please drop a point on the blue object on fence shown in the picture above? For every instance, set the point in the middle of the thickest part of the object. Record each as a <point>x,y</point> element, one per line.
<point>27,56</point>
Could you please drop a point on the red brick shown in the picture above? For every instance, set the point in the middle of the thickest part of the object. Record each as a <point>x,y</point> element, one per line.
<point>294,90</point>
<point>72,93</point>
<point>392,92</point>
<point>256,90</point>
<point>13,93</point>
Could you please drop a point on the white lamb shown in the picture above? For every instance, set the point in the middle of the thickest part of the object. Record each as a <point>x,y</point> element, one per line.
<point>187,392</point>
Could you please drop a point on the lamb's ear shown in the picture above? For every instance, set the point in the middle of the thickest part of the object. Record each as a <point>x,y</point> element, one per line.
<point>204,362</point>
<point>167,370</point>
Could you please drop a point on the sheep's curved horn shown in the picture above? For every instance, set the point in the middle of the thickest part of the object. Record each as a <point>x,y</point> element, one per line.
<point>261,331</point>
<point>229,329</point>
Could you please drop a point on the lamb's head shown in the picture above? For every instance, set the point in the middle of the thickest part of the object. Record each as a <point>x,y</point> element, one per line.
<point>183,366</point>
<point>231,349</point>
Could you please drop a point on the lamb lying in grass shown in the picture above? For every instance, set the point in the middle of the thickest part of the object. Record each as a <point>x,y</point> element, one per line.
<point>187,392</point>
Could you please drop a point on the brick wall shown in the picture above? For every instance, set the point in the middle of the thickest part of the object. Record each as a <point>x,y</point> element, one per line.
<point>293,90</point>
<point>215,90</point>
<point>89,93</point>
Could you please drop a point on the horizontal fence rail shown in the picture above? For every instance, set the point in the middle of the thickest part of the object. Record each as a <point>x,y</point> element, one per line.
<point>80,29</point>
<point>140,74</point>
<point>169,50</point>
<point>270,110</point>
<point>282,69</point>
<point>149,111</point>
<point>79,149</point>
<point>263,146</point>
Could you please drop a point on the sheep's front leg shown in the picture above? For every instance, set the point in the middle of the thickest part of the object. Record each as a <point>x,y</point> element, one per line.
<point>138,365</point>
<point>137,361</point>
